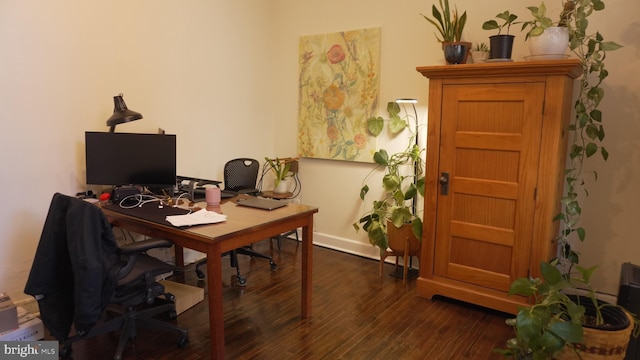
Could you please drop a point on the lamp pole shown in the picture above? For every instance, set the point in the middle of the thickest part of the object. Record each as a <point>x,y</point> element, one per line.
<point>415,165</point>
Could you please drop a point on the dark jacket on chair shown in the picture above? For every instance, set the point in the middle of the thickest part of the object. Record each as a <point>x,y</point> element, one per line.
<point>73,272</point>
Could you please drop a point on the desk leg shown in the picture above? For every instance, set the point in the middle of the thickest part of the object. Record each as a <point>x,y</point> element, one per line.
<point>216,312</point>
<point>307,267</point>
<point>179,255</point>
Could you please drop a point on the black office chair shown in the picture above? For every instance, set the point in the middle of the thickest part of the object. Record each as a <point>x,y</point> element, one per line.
<point>240,177</point>
<point>80,276</point>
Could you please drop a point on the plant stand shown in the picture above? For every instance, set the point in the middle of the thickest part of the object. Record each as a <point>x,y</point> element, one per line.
<point>398,271</point>
<point>402,243</point>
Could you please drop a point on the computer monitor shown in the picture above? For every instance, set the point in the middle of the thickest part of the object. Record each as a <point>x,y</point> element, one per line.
<point>122,159</point>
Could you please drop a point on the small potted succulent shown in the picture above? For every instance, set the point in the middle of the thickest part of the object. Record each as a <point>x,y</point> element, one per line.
<point>480,53</point>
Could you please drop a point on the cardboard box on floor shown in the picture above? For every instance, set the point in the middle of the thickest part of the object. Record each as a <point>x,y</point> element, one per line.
<point>30,328</point>
<point>186,295</point>
<point>8,313</point>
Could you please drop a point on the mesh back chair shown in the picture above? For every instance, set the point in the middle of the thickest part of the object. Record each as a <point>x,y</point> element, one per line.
<point>80,276</point>
<point>240,177</point>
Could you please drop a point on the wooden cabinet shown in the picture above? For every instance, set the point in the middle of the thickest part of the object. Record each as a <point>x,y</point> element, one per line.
<point>496,153</point>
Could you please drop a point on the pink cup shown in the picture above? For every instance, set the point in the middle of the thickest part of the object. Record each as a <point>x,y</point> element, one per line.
<point>212,196</point>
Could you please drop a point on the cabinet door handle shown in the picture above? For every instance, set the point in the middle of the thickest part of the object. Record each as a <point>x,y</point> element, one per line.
<point>444,183</point>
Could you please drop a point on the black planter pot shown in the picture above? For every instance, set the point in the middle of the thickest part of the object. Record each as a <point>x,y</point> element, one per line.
<point>456,53</point>
<point>500,46</point>
<point>614,317</point>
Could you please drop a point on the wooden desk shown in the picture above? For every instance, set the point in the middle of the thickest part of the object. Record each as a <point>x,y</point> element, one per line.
<point>244,226</point>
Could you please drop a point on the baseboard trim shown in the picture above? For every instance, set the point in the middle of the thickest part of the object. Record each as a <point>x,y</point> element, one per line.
<point>358,248</point>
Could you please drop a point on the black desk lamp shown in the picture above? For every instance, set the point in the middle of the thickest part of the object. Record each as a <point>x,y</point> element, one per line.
<point>121,114</point>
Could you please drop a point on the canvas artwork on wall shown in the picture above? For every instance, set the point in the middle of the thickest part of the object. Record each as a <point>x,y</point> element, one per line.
<point>338,92</point>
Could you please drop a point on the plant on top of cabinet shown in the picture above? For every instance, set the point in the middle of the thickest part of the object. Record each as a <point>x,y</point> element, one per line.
<point>450,26</point>
<point>447,22</point>
<point>507,20</point>
<point>501,45</point>
<point>541,21</point>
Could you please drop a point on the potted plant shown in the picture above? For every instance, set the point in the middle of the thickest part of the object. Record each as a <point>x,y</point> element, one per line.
<point>403,182</point>
<point>548,39</point>
<point>449,26</point>
<point>480,53</point>
<point>559,325</point>
<point>586,129</point>
<point>586,133</point>
<point>281,170</point>
<point>501,45</point>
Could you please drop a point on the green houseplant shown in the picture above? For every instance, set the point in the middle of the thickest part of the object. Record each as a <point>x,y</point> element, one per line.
<point>586,129</point>
<point>548,38</point>
<point>586,133</point>
<point>403,181</point>
<point>447,22</point>
<point>541,21</point>
<point>507,19</point>
<point>449,26</point>
<point>501,45</point>
<point>554,325</point>
<point>280,168</point>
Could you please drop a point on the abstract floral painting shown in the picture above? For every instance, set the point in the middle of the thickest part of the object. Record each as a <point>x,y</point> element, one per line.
<point>338,92</point>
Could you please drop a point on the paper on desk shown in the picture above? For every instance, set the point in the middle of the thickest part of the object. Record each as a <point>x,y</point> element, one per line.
<point>196,218</point>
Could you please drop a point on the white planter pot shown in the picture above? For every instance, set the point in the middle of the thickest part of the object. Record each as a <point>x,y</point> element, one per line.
<point>283,187</point>
<point>554,41</point>
<point>479,56</point>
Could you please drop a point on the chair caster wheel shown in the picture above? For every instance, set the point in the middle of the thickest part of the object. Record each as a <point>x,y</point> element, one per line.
<point>183,341</point>
<point>200,274</point>
<point>172,314</point>
<point>65,351</point>
<point>241,280</point>
<point>274,266</point>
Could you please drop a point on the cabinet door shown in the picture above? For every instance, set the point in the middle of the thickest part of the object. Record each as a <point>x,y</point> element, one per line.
<point>490,143</point>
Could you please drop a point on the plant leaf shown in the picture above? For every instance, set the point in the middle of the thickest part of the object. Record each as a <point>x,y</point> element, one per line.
<point>396,124</point>
<point>550,273</point>
<point>381,157</point>
<point>363,191</point>
<point>567,330</point>
<point>375,125</point>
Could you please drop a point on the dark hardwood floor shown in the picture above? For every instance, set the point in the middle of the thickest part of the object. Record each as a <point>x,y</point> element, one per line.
<point>356,315</point>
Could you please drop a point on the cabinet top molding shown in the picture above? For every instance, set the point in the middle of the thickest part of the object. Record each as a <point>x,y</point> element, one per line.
<point>569,67</point>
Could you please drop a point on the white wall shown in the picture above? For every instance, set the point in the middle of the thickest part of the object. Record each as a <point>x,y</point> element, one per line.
<point>216,71</point>
<point>196,69</point>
